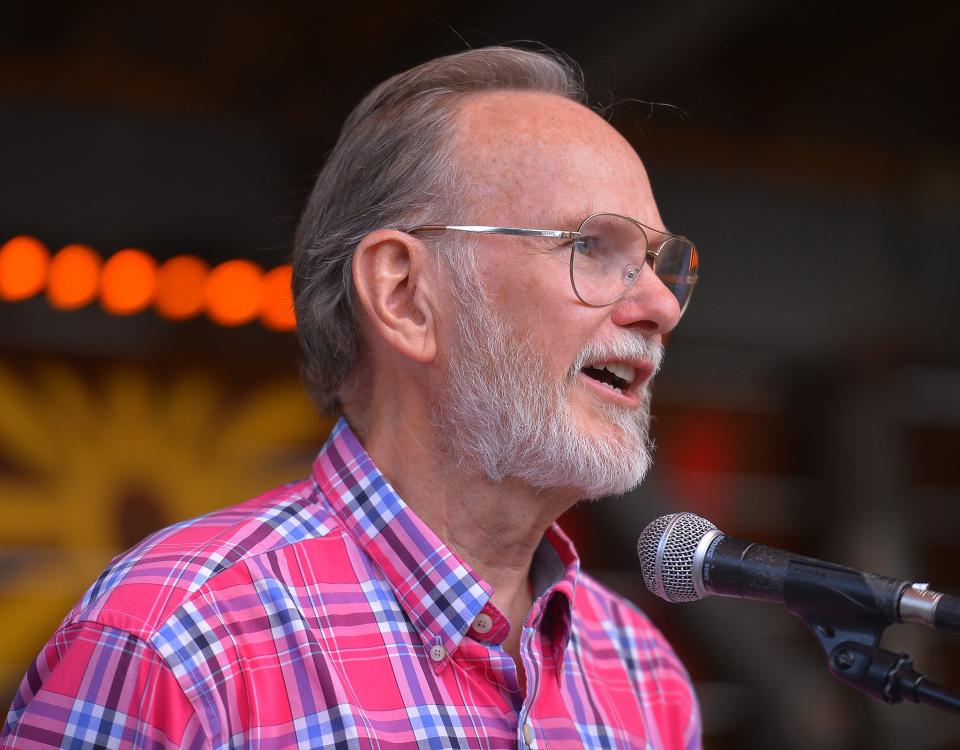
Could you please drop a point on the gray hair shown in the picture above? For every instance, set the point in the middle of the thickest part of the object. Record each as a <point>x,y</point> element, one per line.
<point>393,164</point>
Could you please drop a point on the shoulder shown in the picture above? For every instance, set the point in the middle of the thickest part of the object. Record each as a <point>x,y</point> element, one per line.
<point>146,627</point>
<point>132,694</point>
<point>141,588</point>
<point>596,600</point>
<point>621,641</point>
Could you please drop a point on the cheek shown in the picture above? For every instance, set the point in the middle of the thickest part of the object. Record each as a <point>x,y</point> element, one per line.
<point>515,274</point>
<point>537,299</point>
<point>531,291</point>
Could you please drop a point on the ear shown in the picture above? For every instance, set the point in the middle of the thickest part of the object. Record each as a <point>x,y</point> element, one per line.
<point>391,276</point>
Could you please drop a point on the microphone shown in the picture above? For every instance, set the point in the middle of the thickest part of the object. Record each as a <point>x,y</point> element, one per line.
<point>685,557</point>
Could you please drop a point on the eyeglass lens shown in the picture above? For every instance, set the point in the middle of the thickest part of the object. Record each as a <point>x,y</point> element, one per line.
<point>608,257</point>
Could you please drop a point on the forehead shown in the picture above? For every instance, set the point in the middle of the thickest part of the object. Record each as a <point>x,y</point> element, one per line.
<point>535,157</point>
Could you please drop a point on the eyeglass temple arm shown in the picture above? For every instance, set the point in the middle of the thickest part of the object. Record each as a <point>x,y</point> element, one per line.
<point>557,233</point>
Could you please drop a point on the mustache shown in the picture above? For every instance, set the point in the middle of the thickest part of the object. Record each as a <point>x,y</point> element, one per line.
<point>625,348</point>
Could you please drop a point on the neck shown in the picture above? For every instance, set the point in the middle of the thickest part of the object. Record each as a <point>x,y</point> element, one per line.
<point>495,527</point>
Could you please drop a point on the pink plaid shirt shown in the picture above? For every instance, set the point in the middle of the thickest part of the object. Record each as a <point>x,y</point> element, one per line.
<point>326,614</point>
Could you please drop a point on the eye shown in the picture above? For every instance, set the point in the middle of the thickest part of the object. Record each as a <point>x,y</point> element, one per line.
<point>585,244</point>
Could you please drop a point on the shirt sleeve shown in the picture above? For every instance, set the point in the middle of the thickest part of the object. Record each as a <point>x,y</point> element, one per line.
<point>97,686</point>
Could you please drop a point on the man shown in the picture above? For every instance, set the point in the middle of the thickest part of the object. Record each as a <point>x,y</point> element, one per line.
<point>491,352</point>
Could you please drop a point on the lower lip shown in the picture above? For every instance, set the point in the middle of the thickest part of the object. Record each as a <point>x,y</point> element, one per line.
<point>622,398</point>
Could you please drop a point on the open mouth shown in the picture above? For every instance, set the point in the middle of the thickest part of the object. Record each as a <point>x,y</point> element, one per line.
<point>615,375</point>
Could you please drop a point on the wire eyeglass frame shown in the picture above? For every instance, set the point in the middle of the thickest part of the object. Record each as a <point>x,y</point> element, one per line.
<point>650,257</point>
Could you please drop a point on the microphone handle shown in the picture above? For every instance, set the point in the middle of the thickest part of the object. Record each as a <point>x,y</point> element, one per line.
<point>734,567</point>
<point>947,615</point>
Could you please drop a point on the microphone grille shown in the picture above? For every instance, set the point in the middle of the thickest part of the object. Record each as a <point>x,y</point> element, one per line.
<point>666,548</point>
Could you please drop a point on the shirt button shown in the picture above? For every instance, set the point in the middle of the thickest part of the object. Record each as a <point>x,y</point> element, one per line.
<point>527,733</point>
<point>438,653</point>
<point>483,623</point>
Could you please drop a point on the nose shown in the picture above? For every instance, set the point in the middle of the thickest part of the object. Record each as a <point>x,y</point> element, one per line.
<point>648,306</point>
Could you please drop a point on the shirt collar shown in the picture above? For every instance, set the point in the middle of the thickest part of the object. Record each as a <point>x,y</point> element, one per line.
<point>553,576</point>
<point>439,592</point>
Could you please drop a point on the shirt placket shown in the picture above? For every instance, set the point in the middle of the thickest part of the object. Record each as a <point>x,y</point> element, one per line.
<point>533,646</point>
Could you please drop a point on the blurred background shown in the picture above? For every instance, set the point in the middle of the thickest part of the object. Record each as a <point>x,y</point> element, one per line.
<point>153,163</point>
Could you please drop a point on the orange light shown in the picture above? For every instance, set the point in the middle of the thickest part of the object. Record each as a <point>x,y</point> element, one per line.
<point>74,275</point>
<point>24,262</point>
<point>233,292</point>
<point>129,282</point>
<point>180,287</point>
<point>276,311</point>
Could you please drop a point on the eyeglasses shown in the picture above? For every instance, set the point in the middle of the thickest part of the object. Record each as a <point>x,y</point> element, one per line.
<point>607,254</point>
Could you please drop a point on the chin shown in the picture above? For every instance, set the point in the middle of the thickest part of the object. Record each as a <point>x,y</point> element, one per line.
<point>602,457</point>
<point>626,479</point>
<point>610,434</point>
<point>616,452</point>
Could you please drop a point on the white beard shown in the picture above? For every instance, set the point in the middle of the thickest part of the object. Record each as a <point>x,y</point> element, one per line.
<point>504,419</point>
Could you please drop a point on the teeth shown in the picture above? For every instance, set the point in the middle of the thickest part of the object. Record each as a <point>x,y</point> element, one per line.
<point>620,370</point>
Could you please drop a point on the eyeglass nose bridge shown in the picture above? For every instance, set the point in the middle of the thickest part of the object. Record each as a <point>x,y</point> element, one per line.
<point>632,272</point>
<point>650,255</point>
<point>630,276</point>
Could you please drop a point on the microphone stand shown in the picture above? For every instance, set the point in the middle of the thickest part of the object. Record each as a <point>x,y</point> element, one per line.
<point>838,605</point>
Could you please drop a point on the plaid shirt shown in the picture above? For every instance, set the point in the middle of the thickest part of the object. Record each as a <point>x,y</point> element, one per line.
<point>326,614</point>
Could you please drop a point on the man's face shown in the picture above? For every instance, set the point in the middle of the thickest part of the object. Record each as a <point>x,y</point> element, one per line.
<point>516,388</point>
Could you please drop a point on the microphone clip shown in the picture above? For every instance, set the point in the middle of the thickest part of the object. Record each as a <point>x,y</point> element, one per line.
<point>843,610</point>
